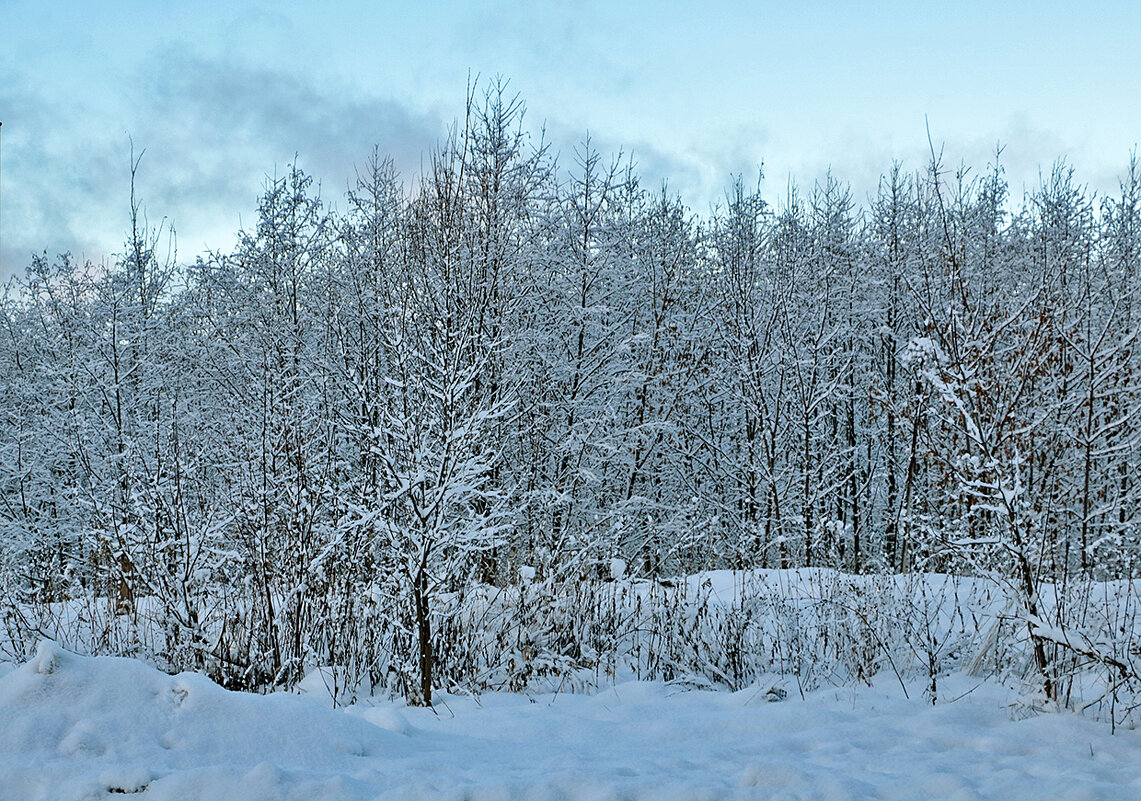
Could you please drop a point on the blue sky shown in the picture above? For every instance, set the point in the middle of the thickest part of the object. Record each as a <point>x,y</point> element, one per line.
<point>221,94</point>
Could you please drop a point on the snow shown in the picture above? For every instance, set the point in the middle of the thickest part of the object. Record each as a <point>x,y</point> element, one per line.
<point>74,727</point>
<point>78,727</point>
<point>617,569</point>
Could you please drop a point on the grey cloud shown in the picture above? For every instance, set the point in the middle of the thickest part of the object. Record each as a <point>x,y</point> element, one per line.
<point>207,103</point>
<point>211,130</point>
<point>47,188</point>
<point>223,127</point>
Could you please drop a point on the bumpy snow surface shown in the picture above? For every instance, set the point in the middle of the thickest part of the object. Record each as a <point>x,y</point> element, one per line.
<point>73,727</point>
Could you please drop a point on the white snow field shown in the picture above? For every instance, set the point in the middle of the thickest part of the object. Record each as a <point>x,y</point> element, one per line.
<point>74,727</point>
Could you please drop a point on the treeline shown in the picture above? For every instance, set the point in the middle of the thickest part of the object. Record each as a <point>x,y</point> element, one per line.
<point>517,370</point>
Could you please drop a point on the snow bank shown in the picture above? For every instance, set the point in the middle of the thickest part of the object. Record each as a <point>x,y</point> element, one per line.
<point>74,727</point>
<point>82,727</point>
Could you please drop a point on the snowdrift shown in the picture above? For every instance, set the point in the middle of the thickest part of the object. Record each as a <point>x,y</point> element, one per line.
<point>82,727</point>
<point>74,727</point>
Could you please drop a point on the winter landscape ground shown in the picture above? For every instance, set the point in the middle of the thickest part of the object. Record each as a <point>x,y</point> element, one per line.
<point>79,727</point>
<point>909,687</point>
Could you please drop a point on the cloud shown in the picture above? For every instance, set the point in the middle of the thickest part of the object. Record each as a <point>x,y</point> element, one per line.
<point>212,131</point>
<point>42,190</point>
<point>219,128</point>
<point>207,104</point>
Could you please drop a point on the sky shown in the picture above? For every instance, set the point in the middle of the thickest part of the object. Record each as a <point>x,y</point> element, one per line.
<point>217,96</point>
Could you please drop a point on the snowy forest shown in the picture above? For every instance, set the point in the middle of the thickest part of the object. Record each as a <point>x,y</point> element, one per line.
<point>512,422</point>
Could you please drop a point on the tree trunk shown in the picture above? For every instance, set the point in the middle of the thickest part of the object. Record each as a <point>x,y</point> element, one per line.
<point>424,636</point>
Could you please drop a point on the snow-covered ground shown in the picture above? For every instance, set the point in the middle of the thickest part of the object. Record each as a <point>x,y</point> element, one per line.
<point>74,727</point>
